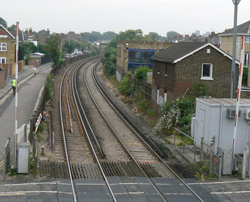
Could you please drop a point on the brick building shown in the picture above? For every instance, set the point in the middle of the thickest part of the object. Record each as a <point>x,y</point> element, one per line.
<point>7,51</point>
<point>131,54</point>
<point>226,40</point>
<point>185,64</point>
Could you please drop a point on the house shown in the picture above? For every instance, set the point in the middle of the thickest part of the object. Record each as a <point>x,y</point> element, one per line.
<point>7,51</point>
<point>226,40</point>
<point>132,54</point>
<point>178,68</point>
<point>35,59</point>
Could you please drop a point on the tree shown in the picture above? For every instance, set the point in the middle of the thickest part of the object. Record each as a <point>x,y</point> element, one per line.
<point>109,35</point>
<point>12,28</point>
<point>131,35</point>
<point>43,31</point>
<point>52,47</point>
<point>154,36</point>
<point>3,22</point>
<point>172,34</point>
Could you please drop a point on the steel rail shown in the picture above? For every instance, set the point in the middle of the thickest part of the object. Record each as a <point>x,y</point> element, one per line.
<point>80,109</point>
<point>125,118</point>
<point>63,133</point>
<point>120,141</point>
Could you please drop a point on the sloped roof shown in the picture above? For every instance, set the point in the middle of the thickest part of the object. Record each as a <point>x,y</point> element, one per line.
<point>176,51</point>
<point>241,29</point>
<point>7,31</point>
<point>181,50</point>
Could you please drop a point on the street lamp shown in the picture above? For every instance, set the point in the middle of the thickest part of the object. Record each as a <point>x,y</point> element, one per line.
<point>235,2</point>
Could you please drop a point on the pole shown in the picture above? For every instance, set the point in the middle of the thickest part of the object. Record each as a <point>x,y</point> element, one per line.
<point>16,100</point>
<point>235,2</point>
<point>238,100</point>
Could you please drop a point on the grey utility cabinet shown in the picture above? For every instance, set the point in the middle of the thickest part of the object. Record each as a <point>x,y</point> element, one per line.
<point>23,156</point>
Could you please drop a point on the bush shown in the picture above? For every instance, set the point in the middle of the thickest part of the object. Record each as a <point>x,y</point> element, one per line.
<point>40,128</point>
<point>141,72</point>
<point>49,87</point>
<point>200,89</point>
<point>125,86</point>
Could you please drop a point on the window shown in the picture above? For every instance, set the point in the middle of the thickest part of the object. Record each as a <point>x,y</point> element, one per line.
<point>207,71</point>
<point>157,95</point>
<point>247,39</point>
<point>2,60</point>
<point>246,60</point>
<point>228,39</point>
<point>165,96</point>
<point>3,46</point>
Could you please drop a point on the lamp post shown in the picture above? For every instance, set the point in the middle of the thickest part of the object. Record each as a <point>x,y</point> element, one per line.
<point>235,2</point>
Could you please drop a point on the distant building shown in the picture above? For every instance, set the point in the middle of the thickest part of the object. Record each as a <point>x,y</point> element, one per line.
<point>132,54</point>
<point>197,33</point>
<point>226,40</point>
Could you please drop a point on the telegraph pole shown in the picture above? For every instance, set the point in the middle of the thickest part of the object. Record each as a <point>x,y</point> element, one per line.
<point>235,2</point>
<point>16,97</point>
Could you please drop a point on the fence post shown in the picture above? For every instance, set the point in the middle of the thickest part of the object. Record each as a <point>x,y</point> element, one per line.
<point>201,151</point>
<point>194,151</point>
<point>25,133</point>
<point>211,161</point>
<point>244,164</point>
<point>184,144</point>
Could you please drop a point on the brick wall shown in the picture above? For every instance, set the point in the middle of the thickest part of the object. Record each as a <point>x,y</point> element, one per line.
<point>122,53</point>
<point>188,72</point>
<point>178,79</point>
<point>2,78</point>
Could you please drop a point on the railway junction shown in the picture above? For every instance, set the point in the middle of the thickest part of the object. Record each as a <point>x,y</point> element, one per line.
<point>98,156</point>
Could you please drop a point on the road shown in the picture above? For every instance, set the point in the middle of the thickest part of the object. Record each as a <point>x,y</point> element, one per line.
<point>28,93</point>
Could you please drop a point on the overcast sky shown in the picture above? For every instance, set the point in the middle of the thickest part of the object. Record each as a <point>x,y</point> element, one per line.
<point>161,16</point>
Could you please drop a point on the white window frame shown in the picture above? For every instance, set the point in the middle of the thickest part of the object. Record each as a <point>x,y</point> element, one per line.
<point>1,60</point>
<point>246,59</point>
<point>165,97</point>
<point>157,96</point>
<point>247,39</point>
<point>3,46</point>
<point>210,77</point>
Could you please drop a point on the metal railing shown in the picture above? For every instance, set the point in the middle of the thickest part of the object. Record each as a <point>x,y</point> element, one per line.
<point>184,145</point>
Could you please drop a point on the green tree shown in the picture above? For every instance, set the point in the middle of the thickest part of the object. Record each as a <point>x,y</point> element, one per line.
<point>3,22</point>
<point>29,47</point>
<point>141,73</point>
<point>43,31</point>
<point>109,35</point>
<point>172,34</point>
<point>12,28</point>
<point>53,49</point>
<point>154,36</point>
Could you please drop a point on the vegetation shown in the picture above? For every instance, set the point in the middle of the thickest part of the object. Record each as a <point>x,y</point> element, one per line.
<point>49,87</point>
<point>3,22</point>
<point>53,49</point>
<point>94,36</point>
<point>172,35</point>
<point>141,73</point>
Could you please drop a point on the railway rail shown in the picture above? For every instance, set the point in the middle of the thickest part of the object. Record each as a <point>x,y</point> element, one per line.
<point>98,142</point>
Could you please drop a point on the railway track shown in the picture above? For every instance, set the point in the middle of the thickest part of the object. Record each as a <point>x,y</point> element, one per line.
<point>99,144</point>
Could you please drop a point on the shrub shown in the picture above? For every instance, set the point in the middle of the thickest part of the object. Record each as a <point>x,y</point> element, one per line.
<point>49,87</point>
<point>141,72</point>
<point>200,89</point>
<point>126,86</point>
